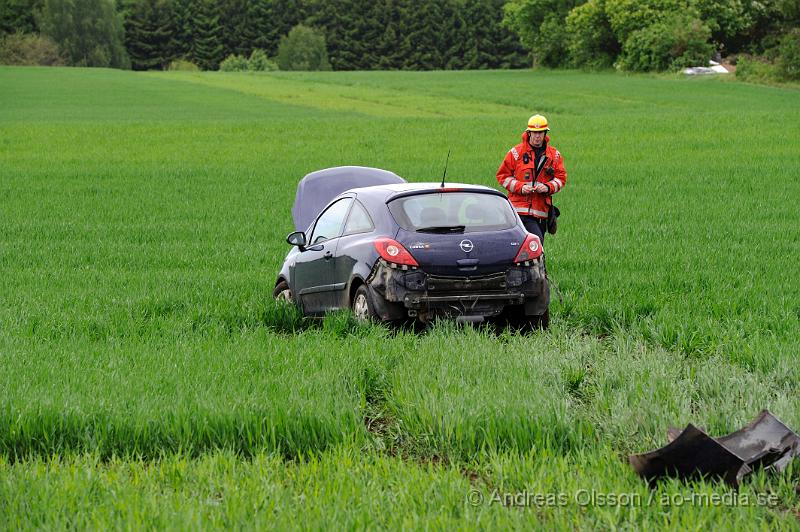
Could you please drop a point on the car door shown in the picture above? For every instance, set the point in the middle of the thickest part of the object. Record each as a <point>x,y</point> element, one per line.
<point>313,271</point>
<point>348,251</point>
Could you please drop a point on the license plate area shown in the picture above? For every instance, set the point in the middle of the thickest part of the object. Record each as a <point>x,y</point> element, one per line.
<point>465,285</point>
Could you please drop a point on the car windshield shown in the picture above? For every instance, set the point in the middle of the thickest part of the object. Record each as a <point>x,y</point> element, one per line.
<point>453,212</point>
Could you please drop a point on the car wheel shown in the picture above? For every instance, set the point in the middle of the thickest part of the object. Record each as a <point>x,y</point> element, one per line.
<point>362,305</point>
<point>282,292</point>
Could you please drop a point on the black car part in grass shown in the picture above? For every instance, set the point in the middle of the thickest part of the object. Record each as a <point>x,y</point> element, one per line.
<point>764,443</point>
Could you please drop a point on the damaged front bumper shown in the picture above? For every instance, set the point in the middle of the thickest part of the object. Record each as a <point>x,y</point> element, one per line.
<point>400,291</point>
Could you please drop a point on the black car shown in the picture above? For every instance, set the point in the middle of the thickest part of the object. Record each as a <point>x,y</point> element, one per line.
<point>393,250</point>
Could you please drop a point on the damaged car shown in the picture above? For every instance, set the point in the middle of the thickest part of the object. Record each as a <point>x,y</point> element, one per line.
<point>391,250</point>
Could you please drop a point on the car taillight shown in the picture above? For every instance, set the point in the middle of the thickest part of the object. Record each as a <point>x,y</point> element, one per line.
<point>530,249</point>
<point>393,252</point>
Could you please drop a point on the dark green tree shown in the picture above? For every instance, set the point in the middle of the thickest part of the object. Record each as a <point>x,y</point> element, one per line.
<point>371,31</point>
<point>88,32</point>
<point>353,31</point>
<point>455,36</point>
<point>478,49</point>
<point>360,38</point>
<point>183,12</point>
<point>149,33</point>
<point>423,43</point>
<point>335,21</point>
<point>18,16</point>
<point>234,21</point>
<point>207,50</point>
<point>387,47</point>
<point>260,32</point>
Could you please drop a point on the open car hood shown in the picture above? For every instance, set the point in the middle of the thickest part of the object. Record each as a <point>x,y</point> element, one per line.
<point>318,188</point>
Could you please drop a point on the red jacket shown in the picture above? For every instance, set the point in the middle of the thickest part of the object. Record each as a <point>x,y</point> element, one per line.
<point>515,172</point>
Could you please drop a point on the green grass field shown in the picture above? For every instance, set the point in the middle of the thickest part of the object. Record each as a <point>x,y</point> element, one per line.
<point>148,380</point>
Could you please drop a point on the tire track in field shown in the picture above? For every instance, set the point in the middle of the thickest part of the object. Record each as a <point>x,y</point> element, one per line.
<point>372,101</point>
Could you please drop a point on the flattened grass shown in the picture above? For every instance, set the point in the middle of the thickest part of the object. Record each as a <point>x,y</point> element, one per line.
<point>461,395</point>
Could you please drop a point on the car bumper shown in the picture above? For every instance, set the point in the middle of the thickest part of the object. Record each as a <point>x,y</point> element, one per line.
<point>399,293</point>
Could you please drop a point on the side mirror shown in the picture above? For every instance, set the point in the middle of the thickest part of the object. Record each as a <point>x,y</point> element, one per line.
<point>298,238</point>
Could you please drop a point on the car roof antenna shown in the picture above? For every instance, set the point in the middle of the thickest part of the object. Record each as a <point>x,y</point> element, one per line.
<point>445,166</point>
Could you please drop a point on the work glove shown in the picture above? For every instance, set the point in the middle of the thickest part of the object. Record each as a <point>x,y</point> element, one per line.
<point>541,188</point>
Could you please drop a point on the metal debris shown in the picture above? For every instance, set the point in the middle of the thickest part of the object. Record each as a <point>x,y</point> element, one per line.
<point>712,68</point>
<point>764,443</point>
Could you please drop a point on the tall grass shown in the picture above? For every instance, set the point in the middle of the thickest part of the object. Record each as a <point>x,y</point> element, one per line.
<point>343,488</point>
<point>247,392</point>
<point>142,218</point>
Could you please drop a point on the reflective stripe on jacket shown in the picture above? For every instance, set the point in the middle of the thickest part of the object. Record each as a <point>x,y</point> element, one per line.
<point>515,172</point>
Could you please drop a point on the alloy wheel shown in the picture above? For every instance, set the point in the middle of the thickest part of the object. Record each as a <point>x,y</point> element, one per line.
<point>360,307</point>
<point>285,295</point>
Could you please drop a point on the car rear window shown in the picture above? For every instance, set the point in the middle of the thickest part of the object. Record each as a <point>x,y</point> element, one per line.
<point>472,210</point>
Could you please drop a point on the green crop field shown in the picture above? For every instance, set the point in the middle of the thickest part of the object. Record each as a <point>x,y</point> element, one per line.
<point>147,379</point>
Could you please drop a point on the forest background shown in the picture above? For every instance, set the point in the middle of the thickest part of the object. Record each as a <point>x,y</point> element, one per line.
<point>762,38</point>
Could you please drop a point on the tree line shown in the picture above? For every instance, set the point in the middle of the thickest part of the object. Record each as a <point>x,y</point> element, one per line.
<point>637,35</point>
<point>642,35</point>
<point>358,34</point>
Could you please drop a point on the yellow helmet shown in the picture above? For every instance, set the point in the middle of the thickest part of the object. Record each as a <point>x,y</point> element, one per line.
<point>537,123</point>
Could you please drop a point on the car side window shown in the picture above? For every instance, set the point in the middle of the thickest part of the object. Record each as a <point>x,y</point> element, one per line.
<point>359,220</point>
<point>329,224</point>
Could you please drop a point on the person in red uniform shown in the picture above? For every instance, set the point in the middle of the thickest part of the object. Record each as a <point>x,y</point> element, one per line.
<point>532,172</point>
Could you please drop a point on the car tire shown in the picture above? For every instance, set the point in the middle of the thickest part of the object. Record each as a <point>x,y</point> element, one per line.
<point>362,305</point>
<point>282,292</point>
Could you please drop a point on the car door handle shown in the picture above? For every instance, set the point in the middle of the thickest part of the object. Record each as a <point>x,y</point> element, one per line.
<point>328,255</point>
